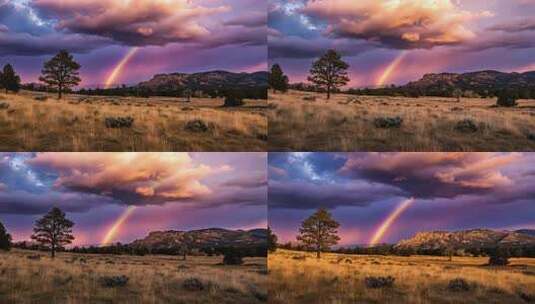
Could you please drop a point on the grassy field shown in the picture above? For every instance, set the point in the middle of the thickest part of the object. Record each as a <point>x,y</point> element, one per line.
<point>77,123</point>
<point>76,278</point>
<point>347,123</point>
<point>298,277</point>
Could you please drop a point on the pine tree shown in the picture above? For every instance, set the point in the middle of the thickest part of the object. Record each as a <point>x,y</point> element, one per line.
<point>9,79</point>
<point>5,238</point>
<point>272,241</point>
<point>319,232</point>
<point>329,72</point>
<point>53,231</point>
<point>277,80</point>
<point>61,72</point>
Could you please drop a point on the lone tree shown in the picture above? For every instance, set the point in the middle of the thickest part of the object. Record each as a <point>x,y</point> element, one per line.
<point>329,72</point>
<point>457,93</point>
<point>5,238</point>
<point>272,241</point>
<point>277,80</point>
<point>9,80</point>
<point>61,72</point>
<point>53,230</point>
<point>318,232</point>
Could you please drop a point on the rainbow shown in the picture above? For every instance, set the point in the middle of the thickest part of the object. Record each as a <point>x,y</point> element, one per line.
<point>119,67</point>
<point>387,223</point>
<point>390,69</point>
<point>117,225</point>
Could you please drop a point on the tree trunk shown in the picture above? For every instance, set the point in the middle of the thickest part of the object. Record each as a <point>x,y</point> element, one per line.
<point>318,254</point>
<point>53,252</point>
<point>328,92</point>
<point>59,93</point>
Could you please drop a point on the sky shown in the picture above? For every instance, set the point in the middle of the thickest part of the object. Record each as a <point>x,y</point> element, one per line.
<point>148,36</point>
<point>134,192</point>
<point>387,197</point>
<point>397,41</point>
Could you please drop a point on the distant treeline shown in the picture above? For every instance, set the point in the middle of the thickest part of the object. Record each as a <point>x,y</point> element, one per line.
<point>127,249</point>
<point>259,92</point>
<point>389,249</point>
<point>437,91</point>
<point>241,92</point>
<point>446,91</point>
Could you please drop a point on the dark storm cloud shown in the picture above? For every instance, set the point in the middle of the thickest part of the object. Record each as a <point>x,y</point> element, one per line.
<point>23,44</point>
<point>22,202</point>
<point>254,19</point>
<point>308,195</point>
<point>433,175</point>
<point>515,26</point>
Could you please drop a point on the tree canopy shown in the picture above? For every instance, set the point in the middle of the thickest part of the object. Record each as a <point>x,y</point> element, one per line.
<point>61,72</point>
<point>9,80</point>
<point>277,80</point>
<point>319,232</point>
<point>53,230</point>
<point>329,72</point>
<point>5,238</point>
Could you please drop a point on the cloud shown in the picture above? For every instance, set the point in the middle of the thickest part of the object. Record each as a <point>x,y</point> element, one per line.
<point>24,44</point>
<point>395,24</point>
<point>515,26</point>
<point>24,202</point>
<point>131,178</point>
<point>253,19</point>
<point>148,22</point>
<point>308,195</point>
<point>433,175</point>
<point>301,47</point>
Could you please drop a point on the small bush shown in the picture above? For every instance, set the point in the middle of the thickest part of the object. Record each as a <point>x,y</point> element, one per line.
<point>4,105</point>
<point>506,99</point>
<point>379,282</point>
<point>388,122</point>
<point>197,126</point>
<point>531,136</point>
<point>193,284</point>
<point>458,284</point>
<point>233,100</point>
<point>114,281</point>
<point>309,98</point>
<point>41,98</point>
<point>529,298</point>
<point>233,257</point>
<point>466,126</point>
<point>119,122</point>
<point>33,257</point>
<point>499,258</point>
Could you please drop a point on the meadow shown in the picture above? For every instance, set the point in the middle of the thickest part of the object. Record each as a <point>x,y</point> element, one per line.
<point>33,277</point>
<point>305,121</point>
<point>298,277</point>
<point>32,121</point>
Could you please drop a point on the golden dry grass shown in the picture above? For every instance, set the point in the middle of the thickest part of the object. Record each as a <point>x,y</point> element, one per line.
<point>152,279</point>
<point>76,123</point>
<point>429,124</point>
<point>418,279</point>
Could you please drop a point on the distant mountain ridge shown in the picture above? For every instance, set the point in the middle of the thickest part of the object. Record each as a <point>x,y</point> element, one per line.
<point>478,81</point>
<point>468,239</point>
<point>205,81</point>
<point>203,238</point>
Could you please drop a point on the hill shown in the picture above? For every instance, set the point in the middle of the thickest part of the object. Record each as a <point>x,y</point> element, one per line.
<point>208,82</point>
<point>204,238</point>
<point>483,83</point>
<point>466,239</point>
